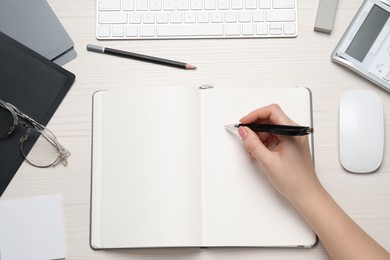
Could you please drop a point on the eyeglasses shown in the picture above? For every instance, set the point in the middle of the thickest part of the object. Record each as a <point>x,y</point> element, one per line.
<point>46,152</point>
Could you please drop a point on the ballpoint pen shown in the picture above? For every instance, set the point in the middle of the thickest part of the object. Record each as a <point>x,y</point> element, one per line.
<point>274,129</point>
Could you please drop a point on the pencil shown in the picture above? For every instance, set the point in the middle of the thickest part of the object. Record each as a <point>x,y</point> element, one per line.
<point>140,57</point>
<point>275,129</point>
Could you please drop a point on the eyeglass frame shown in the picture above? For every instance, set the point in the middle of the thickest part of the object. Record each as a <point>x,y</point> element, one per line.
<point>63,153</point>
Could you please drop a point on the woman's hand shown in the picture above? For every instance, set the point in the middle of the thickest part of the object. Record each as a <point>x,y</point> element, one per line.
<point>286,160</point>
<point>288,165</point>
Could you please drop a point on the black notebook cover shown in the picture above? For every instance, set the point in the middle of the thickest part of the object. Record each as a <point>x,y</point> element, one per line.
<point>33,84</point>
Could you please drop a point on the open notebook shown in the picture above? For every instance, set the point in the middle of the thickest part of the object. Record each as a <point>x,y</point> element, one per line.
<point>165,172</point>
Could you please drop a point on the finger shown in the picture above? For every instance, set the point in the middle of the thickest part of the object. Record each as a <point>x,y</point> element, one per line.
<point>272,113</point>
<point>253,144</point>
<point>263,136</point>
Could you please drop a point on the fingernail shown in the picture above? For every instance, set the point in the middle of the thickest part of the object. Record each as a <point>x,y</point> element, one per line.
<point>242,132</point>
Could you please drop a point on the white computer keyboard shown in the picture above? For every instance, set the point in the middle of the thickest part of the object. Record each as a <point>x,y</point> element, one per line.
<point>174,19</point>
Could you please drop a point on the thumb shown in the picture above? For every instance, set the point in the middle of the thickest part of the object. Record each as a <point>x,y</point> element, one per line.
<point>253,144</point>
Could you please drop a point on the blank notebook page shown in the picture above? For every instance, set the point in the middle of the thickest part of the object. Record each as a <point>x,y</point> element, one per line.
<point>154,196</point>
<point>241,208</point>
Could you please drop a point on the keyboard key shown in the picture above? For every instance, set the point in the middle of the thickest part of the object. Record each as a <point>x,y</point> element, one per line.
<point>131,31</point>
<point>244,16</point>
<point>281,16</point>
<point>146,30</point>
<point>175,17</point>
<point>189,17</point>
<point>233,29</point>
<point>223,4</point>
<point>248,29</point>
<point>275,29</point>
<point>109,5</point>
<point>289,29</point>
<point>237,4</point>
<point>142,5</point>
<point>127,5</point>
<point>155,5</point>
<point>104,31</point>
<point>148,17</point>
<point>162,17</point>
<point>183,5</point>
<point>196,4</point>
<point>275,26</point>
<point>217,17</point>
<point>169,5</point>
<point>203,17</point>
<point>190,30</point>
<point>258,16</point>
<point>281,4</point>
<point>264,4</point>
<point>112,18</point>
<point>231,16</point>
<point>262,29</point>
<point>250,4</point>
<point>134,17</point>
<point>117,31</point>
<point>210,4</point>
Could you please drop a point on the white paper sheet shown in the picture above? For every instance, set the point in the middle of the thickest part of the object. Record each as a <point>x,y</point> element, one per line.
<point>32,228</point>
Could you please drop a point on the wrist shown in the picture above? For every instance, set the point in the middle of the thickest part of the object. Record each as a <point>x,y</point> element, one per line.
<point>311,195</point>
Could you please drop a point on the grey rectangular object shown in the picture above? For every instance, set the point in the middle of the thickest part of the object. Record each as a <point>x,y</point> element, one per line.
<point>325,15</point>
<point>35,25</point>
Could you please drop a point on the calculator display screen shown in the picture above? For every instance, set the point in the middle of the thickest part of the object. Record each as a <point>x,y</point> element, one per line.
<point>367,34</point>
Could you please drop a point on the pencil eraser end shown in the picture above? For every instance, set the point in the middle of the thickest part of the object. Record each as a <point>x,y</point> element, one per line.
<point>325,16</point>
<point>95,48</point>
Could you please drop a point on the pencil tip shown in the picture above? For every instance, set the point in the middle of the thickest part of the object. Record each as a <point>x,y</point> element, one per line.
<point>190,67</point>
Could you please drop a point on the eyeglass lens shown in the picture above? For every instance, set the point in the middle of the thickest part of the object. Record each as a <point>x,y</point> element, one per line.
<point>6,121</point>
<point>44,152</point>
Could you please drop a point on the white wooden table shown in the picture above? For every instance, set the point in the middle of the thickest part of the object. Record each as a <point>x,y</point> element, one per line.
<point>302,61</point>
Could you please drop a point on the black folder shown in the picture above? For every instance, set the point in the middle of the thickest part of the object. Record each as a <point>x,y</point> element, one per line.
<point>33,84</point>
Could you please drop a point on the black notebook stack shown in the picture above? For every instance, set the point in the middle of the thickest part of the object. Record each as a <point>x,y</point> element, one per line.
<point>33,84</point>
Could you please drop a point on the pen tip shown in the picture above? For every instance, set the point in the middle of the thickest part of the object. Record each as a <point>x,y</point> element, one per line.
<point>232,127</point>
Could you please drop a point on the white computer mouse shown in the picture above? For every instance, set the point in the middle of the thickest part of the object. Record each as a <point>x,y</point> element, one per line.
<point>361,131</point>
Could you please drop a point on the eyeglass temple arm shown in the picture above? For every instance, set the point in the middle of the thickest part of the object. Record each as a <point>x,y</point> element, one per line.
<point>29,119</point>
<point>11,108</point>
<point>52,138</point>
<point>49,135</point>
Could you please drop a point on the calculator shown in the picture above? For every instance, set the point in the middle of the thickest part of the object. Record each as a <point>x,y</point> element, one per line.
<point>365,46</point>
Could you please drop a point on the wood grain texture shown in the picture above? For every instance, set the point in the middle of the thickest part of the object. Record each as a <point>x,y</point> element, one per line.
<point>302,61</point>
